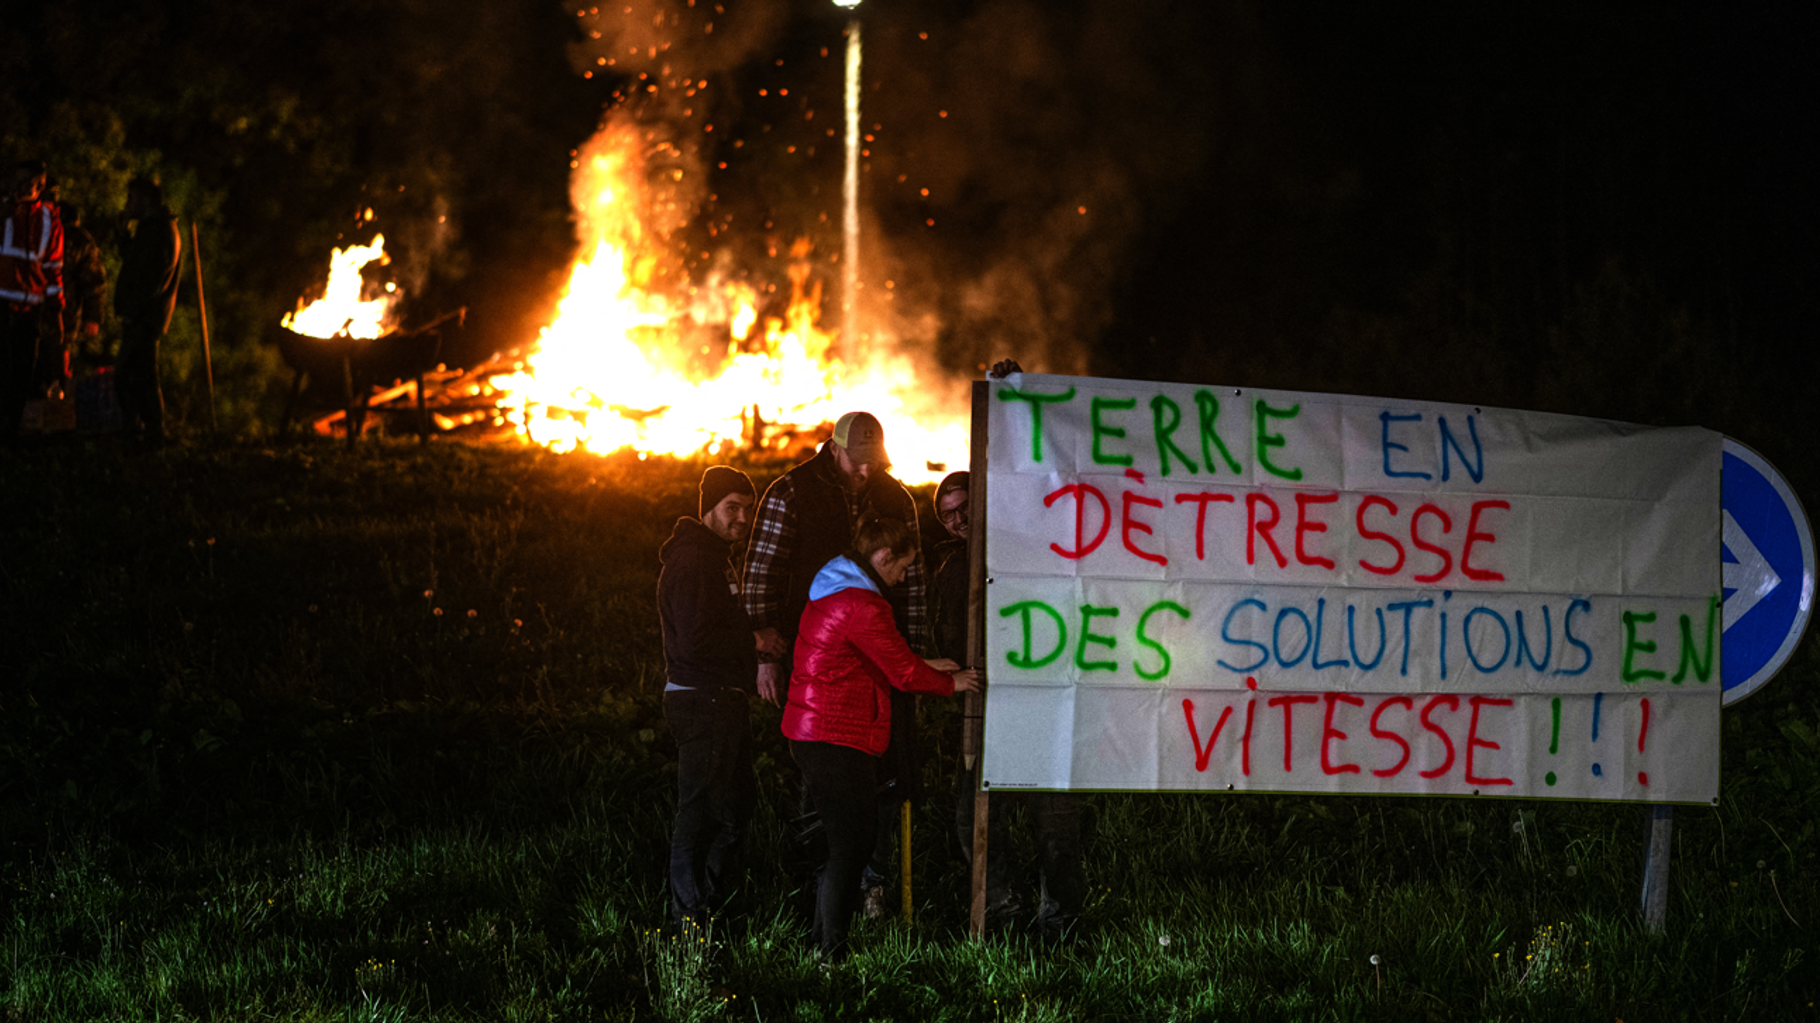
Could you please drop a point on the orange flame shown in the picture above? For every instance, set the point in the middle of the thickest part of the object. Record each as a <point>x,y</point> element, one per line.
<point>623,367</point>
<point>340,310</point>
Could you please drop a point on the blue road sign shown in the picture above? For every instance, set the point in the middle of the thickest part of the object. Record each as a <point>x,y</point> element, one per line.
<point>1766,568</point>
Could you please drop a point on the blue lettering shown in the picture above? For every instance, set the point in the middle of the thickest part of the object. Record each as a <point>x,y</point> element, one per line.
<point>1408,608</point>
<point>1352,640</point>
<point>1386,418</point>
<point>1523,647</point>
<point>1446,595</point>
<point>1476,469</point>
<point>1320,612</point>
<point>1567,633</point>
<point>1466,635</point>
<point>1226,634</point>
<point>1276,636</point>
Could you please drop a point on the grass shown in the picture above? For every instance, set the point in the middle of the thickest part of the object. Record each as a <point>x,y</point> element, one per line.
<point>247,772</point>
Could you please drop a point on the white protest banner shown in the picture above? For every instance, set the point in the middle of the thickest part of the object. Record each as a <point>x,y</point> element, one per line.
<point>1213,588</point>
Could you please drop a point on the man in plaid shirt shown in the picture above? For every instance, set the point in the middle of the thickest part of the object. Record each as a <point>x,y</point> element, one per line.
<point>808,516</point>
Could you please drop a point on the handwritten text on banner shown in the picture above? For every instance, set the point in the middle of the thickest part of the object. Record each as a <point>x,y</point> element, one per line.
<point>1213,588</point>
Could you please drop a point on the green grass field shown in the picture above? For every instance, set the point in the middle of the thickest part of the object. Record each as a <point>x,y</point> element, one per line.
<point>299,733</point>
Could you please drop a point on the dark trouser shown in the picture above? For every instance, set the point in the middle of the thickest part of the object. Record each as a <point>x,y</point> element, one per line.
<point>1055,817</point>
<point>900,766</point>
<point>18,363</point>
<point>136,379</point>
<point>841,781</point>
<point>715,796</point>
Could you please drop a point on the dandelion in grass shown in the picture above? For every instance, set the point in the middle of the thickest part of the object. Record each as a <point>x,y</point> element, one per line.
<point>437,611</point>
<point>473,613</point>
<point>1163,940</point>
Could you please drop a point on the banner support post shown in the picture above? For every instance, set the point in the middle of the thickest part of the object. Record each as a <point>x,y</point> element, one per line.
<point>1655,868</point>
<point>972,739</point>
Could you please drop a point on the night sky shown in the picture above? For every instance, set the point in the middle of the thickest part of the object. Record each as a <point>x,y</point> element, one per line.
<point>1598,209</point>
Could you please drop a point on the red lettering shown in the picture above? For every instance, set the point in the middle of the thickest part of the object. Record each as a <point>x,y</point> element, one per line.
<point>1200,518</point>
<point>1078,492</point>
<point>1472,535</point>
<point>1127,524</point>
<point>1303,526</point>
<point>1203,753</point>
<point>1330,733</point>
<point>1288,704</point>
<point>1453,703</point>
<point>1415,534</point>
<point>1385,772</point>
<point>1372,534</point>
<point>1251,707</point>
<point>1255,529</point>
<point>1474,742</point>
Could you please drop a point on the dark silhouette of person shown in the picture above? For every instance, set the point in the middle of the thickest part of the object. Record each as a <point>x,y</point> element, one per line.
<point>84,282</point>
<point>144,298</point>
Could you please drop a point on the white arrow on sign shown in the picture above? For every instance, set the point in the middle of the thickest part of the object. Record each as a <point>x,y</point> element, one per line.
<point>1750,576</point>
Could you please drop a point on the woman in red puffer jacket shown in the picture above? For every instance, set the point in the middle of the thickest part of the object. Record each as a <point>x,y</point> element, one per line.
<point>838,718</point>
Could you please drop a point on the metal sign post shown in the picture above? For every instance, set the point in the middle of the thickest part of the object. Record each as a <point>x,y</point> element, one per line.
<point>1766,556</point>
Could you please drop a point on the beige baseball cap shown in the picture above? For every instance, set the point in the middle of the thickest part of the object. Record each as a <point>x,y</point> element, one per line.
<point>860,435</point>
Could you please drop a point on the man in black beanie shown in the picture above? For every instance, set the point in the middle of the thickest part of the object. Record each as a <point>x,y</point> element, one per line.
<point>710,663</point>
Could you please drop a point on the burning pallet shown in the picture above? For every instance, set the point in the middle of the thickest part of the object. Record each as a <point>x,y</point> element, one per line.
<point>372,374</point>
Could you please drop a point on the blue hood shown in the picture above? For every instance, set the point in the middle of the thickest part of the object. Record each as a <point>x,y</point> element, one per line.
<point>840,574</point>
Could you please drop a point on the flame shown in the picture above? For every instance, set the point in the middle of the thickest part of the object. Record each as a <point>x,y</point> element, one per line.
<point>623,366</point>
<point>340,309</point>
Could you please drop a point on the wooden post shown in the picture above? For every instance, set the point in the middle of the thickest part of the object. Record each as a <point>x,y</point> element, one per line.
<point>972,732</point>
<point>202,309</point>
<point>903,846</point>
<point>1655,869</point>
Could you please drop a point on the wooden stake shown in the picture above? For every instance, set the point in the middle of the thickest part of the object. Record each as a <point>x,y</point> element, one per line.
<point>202,308</point>
<point>972,732</point>
<point>903,846</point>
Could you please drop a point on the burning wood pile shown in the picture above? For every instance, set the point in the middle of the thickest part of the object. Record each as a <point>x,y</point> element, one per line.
<point>391,376</point>
<point>641,355</point>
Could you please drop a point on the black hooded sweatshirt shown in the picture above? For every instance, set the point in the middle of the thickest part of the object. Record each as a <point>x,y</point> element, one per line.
<point>708,640</point>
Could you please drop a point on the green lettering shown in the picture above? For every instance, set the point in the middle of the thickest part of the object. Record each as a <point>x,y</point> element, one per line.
<point>1162,672</point>
<point>1633,645</point>
<point>1088,614</point>
<point>1026,660</point>
<point>1165,430</point>
<point>1268,440</point>
<point>1209,407</point>
<point>1102,430</point>
<point>1688,660</point>
<point>1037,401</point>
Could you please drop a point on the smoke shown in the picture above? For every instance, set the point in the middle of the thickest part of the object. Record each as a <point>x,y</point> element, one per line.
<point>1050,137</point>
<point>1020,152</point>
<point>699,38</point>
